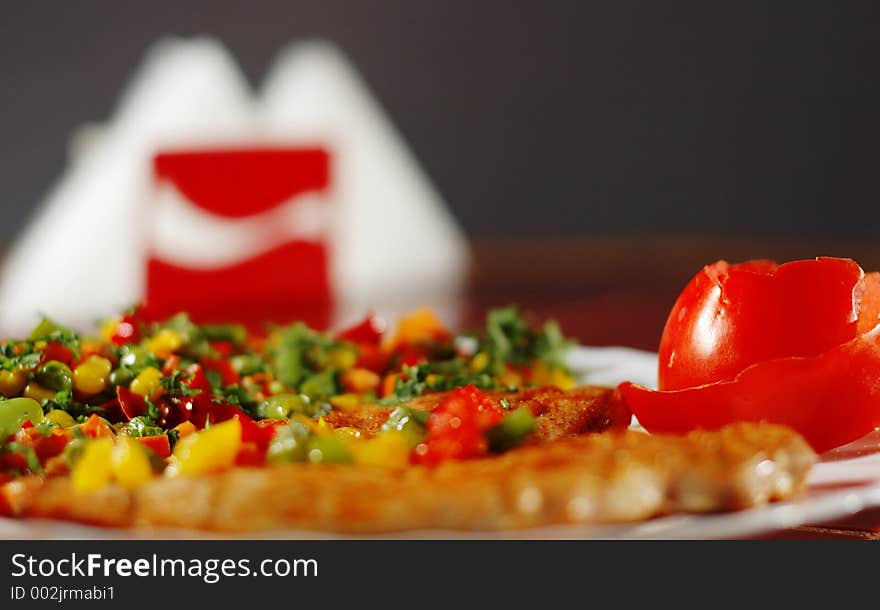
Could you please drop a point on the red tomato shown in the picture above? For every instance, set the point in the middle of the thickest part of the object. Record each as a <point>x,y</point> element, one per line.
<point>731,316</point>
<point>796,344</point>
<point>456,428</point>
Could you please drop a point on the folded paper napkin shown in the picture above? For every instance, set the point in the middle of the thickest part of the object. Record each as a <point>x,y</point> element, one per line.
<point>388,242</point>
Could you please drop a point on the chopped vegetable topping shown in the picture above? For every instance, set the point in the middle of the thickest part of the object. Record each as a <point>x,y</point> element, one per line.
<point>153,396</point>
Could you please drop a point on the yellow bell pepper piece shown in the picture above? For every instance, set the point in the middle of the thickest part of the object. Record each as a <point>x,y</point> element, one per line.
<point>130,463</point>
<point>388,450</point>
<point>360,381</point>
<point>91,376</point>
<point>61,418</point>
<point>94,468</point>
<point>147,381</point>
<point>345,401</point>
<point>164,343</point>
<point>555,376</point>
<point>38,392</point>
<point>417,327</point>
<point>347,432</point>
<point>185,429</point>
<point>341,358</point>
<point>210,450</point>
<point>108,328</point>
<point>479,362</point>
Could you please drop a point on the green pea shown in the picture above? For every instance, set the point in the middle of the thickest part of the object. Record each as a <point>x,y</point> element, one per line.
<point>73,450</point>
<point>55,376</point>
<point>121,376</point>
<point>328,450</point>
<point>15,412</point>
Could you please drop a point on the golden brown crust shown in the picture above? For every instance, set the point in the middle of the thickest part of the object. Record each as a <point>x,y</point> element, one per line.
<point>558,413</point>
<point>598,478</point>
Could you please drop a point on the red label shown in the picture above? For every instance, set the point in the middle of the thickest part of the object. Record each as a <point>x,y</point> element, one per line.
<point>287,281</point>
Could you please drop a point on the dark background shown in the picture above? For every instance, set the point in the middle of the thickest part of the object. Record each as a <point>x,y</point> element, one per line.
<point>534,119</point>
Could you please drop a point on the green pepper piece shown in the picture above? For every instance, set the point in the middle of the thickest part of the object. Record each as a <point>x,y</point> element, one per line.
<point>55,376</point>
<point>233,333</point>
<point>282,405</point>
<point>321,385</point>
<point>136,358</point>
<point>409,421</point>
<point>512,430</point>
<point>247,364</point>
<point>290,444</point>
<point>45,328</point>
<point>401,415</point>
<point>15,412</point>
<point>328,450</point>
<point>142,426</point>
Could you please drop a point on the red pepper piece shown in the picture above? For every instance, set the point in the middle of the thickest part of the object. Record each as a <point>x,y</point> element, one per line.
<point>197,379</point>
<point>132,405</point>
<point>57,351</point>
<point>224,367</point>
<point>127,330</point>
<point>95,427</point>
<point>158,444</point>
<point>368,331</point>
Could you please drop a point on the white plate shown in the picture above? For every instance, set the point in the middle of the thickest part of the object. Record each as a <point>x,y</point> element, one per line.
<point>846,481</point>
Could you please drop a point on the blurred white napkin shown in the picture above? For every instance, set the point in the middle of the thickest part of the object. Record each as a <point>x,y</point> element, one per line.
<point>83,255</point>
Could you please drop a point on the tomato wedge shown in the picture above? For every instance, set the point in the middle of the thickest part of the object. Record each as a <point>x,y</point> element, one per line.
<point>796,344</point>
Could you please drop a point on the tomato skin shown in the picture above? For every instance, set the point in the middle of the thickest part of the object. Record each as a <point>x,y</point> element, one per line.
<point>830,399</point>
<point>731,316</point>
<point>796,345</point>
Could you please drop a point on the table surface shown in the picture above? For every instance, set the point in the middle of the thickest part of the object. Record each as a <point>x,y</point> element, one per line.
<point>617,290</point>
